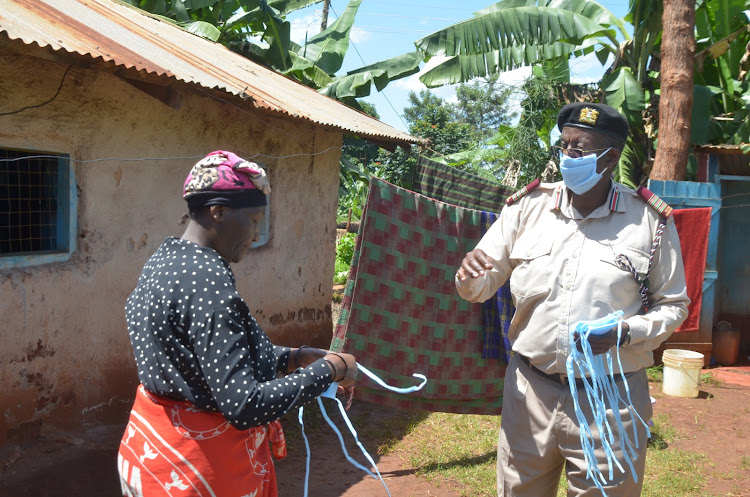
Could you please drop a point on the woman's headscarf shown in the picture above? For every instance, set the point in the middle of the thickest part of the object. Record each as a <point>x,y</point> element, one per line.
<point>223,178</point>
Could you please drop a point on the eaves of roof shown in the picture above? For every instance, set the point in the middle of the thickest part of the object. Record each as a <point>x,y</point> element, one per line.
<point>116,33</point>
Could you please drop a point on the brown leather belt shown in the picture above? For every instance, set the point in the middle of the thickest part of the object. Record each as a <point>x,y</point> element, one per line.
<point>560,379</point>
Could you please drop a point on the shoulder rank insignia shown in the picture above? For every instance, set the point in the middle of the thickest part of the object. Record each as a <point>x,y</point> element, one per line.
<point>523,192</point>
<point>654,201</point>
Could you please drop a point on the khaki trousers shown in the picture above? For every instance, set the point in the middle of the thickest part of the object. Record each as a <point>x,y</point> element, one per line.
<point>539,436</point>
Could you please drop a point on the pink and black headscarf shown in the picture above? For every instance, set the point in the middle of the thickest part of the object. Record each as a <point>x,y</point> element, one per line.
<point>223,178</point>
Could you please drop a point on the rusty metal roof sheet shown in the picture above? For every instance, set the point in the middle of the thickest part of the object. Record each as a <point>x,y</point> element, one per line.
<point>128,37</point>
<point>720,149</point>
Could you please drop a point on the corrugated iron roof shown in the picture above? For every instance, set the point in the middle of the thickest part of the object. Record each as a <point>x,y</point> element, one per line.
<point>732,161</point>
<point>728,149</point>
<point>118,33</point>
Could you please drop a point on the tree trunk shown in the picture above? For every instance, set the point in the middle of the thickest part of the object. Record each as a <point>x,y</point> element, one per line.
<point>676,101</point>
<point>324,20</point>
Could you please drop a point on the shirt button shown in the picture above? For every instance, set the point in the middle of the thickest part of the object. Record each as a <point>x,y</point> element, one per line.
<point>575,254</point>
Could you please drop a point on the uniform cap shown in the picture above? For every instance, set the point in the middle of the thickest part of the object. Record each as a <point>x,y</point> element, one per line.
<point>597,117</point>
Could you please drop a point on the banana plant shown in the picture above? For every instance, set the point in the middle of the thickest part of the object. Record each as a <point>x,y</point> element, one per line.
<point>516,33</point>
<point>722,84</point>
<point>257,29</point>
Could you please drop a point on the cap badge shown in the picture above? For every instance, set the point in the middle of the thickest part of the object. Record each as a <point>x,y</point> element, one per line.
<point>589,116</point>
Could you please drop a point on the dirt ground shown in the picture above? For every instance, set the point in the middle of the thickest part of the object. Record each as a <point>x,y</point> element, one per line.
<point>716,424</point>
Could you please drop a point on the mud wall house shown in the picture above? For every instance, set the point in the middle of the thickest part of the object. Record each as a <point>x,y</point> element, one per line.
<point>103,111</point>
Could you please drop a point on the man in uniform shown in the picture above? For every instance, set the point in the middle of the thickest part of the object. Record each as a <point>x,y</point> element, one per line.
<point>575,251</point>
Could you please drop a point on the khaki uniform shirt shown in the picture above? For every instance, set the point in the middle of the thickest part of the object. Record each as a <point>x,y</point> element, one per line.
<point>562,270</point>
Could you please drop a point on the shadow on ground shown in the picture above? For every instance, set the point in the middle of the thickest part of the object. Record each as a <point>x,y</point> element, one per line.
<point>84,464</point>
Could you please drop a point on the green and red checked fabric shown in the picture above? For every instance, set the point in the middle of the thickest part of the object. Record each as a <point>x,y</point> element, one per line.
<point>401,313</point>
<point>453,186</point>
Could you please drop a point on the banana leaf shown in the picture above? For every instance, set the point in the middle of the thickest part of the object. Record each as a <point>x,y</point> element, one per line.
<point>328,48</point>
<point>197,4</point>
<point>358,83</point>
<point>587,8</point>
<point>512,27</point>
<point>202,29</point>
<point>462,68</point>
<point>623,91</point>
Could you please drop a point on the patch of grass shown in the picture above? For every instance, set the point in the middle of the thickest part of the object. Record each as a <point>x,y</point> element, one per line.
<point>655,373</point>
<point>673,473</point>
<point>662,433</point>
<point>466,452</point>
<point>462,449</point>
<point>710,380</point>
<point>745,462</point>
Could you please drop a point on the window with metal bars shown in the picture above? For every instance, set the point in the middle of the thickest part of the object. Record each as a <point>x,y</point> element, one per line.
<point>37,208</point>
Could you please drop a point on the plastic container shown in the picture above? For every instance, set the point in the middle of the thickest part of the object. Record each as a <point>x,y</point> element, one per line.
<point>682,372</point>
<point>726,344</point>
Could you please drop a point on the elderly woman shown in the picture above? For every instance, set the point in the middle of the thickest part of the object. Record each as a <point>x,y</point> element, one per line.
<point>213,387</point>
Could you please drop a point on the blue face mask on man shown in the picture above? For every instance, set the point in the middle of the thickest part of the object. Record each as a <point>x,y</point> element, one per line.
<point>579,173</point>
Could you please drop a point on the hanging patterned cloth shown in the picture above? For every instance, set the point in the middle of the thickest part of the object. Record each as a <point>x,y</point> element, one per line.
<point>401,312</point>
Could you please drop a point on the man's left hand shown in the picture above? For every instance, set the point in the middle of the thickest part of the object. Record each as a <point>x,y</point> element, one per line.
<point>602,343</point>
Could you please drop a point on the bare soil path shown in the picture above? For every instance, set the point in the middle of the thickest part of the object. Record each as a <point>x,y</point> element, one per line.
<point>716,424</point>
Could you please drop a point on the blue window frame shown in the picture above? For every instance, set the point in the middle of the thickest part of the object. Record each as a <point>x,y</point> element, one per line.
<point>38,208</point>
<point>265,230</point>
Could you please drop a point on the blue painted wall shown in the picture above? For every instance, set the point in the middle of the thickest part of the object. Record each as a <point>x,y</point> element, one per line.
<point>686,195</point>
<point>734,251</point>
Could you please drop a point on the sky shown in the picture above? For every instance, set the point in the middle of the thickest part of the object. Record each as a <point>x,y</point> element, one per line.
<point>387,28</point>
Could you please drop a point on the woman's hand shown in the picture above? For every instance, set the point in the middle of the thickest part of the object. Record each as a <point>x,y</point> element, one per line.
<point>345,368</point>
<point>345,364</point>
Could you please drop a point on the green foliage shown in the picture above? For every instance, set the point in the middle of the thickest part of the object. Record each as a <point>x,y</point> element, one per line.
<point>431,117</point>
<point>357,83</point>
<point>345,248</point>
<point>514,33</point>
<point>655,373</point>
<point>484,104</point>
<point>722,92</point>
<point>258,30</point>
<point>709,379</point>
<point>344,253</point>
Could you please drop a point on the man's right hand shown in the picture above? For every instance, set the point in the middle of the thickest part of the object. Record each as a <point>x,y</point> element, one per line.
<point>474,265</point>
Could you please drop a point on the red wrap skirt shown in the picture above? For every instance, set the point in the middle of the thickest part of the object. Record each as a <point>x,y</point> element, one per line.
<point>174,449</point>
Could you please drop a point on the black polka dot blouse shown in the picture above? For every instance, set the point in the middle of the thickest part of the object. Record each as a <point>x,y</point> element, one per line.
<point>194,339</point>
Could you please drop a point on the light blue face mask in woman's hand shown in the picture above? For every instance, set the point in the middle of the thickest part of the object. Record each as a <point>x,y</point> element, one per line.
<point>579,173</point>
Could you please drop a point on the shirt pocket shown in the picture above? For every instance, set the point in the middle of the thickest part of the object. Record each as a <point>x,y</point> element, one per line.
<point>615,283</point>
<point>531,260</point>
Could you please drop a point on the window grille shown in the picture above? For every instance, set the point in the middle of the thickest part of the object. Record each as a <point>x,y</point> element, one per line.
<point>35,207</point>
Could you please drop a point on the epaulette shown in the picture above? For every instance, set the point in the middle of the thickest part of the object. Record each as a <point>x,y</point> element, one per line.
<point>523,191</point>
<point>654,201</point>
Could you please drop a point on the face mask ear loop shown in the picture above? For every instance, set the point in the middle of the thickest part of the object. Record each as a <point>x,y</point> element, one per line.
<point>331,394</point>
<point>603,153</point>
<point>307,449</point>
<point>601,391</point>
<point>383,384</point>
<point>341,439</point>
<point>359,444</point>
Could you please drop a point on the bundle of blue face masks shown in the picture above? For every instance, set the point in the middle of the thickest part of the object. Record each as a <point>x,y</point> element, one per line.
<point>331,394</point>
<point>601,391</point>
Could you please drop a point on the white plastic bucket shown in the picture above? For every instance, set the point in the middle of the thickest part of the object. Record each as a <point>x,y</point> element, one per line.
<point>682,372</point>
